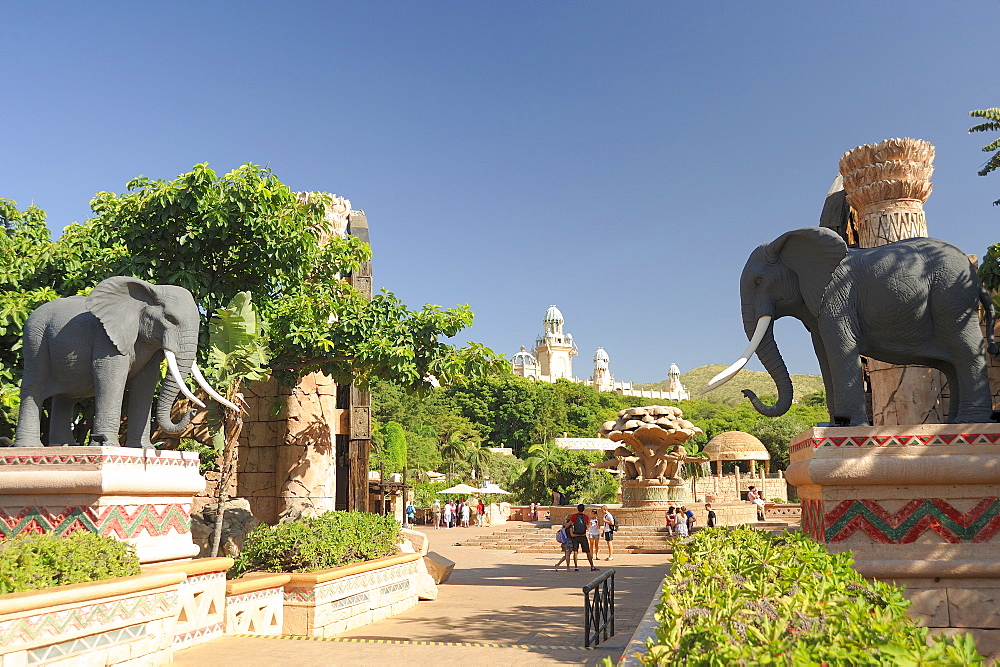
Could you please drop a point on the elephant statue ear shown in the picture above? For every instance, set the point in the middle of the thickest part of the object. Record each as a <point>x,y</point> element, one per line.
<point>812,253</point>
<point>117,303</point>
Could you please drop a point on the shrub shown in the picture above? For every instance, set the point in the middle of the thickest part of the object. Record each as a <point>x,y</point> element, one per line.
<point>318,543</point>
<point>30,562</point>
<point>744,597</point>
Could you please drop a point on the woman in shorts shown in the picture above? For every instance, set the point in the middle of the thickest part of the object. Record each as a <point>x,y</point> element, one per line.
<point>594,534</point>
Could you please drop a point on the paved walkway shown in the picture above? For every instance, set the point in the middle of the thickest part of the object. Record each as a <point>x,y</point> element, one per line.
<point>493,597</point>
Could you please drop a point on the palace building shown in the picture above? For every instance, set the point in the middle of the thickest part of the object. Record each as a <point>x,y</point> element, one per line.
<point>552,359</point>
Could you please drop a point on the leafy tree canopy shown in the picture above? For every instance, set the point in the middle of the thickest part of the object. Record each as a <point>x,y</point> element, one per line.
<point>244,231</point>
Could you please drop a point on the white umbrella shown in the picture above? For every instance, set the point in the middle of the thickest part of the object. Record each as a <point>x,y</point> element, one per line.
<point>492,488</point>
<point>461,488</point>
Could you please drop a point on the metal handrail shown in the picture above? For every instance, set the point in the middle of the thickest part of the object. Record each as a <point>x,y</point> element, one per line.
<point>599,614</point>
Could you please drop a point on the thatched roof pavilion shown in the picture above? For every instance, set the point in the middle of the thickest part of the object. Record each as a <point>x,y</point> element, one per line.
<point>736,446</point>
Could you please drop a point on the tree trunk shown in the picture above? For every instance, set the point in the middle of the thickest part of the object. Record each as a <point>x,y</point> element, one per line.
<point>232,424</point>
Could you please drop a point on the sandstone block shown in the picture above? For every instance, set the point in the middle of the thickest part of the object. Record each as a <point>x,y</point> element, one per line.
<point>974,607</point>
<point>439,567</point>
<point>417,539</point>
<point>929,605</point>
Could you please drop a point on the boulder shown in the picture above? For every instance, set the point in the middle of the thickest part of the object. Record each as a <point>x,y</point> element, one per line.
<point>438,567</point>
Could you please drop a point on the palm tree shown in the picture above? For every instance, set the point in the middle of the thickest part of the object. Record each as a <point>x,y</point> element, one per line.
<point>453,450</point>
<point>479,457</point>
<point>542,460</point>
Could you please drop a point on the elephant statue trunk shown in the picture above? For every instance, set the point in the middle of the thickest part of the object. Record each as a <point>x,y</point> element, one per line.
<point>171,387</point>
<point>769,355</point>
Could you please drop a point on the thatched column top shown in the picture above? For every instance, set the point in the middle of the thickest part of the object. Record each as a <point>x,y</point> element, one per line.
<point>887,184</point>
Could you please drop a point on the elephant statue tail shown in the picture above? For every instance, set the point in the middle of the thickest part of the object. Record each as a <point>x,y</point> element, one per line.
<point>984,299</point>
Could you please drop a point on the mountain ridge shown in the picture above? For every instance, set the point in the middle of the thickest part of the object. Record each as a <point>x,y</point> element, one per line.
<point>759,382</point>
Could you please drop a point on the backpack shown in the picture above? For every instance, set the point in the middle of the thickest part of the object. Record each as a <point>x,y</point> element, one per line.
<point>561,536</point>
<point>579,525</point>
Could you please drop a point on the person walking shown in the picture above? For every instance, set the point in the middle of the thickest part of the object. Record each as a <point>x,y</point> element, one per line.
<point>436,513</point>
<point>577,524</point>
<point>754,496</point>
<point>594,534</point>
<point>680,523</point>
<point>712,519</point>
<point>482,514</point>
<point>610,525</point>
<point>411,515</point>
<point>465,515</point>
<point>449,515</point>
<point>566,544</point>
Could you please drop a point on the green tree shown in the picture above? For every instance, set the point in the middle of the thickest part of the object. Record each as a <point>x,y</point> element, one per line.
<point>992,124</point>
<point>478,458</point>
<point>542,461</point>
<point>221,235</point>
<point>452,451</point>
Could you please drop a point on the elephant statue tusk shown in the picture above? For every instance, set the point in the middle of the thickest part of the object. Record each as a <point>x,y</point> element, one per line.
<point>172,365</point>
<point>203,383</point>
<point>725,376</point>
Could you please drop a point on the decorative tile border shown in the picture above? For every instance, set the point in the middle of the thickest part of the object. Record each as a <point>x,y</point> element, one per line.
<point>122,521</point>
<point>46,654</point>
<point>255,595</point>
<point>200,633</point>
<point>57,458</point>
<point>201,578</point>
<point>52,624</point>
<point>905,525</point>
<point>813,518</point>
<point>345,586</point>
<point>926,440</point>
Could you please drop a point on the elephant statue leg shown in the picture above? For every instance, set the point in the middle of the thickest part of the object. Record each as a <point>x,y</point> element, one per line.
<point>844,359</point>
<point>61,421</point>
<point>29,421</point>
<point>140,404</point>
<point>824,369</point>
<point>110,373</point>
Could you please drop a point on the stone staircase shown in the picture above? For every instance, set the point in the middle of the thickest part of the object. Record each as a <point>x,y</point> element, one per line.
<point>539,537</point>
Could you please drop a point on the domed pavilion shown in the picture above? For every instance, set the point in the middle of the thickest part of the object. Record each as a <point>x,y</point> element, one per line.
<point>736,446</point>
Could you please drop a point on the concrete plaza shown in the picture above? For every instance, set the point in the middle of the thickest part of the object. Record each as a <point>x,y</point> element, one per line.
<point>513,600</point>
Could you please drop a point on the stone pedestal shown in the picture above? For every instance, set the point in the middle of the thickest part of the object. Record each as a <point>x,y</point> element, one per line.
<point>141,496</point>
<point>917,505</point>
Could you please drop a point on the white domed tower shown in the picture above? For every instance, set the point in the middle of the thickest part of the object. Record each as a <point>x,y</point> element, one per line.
<point>675,389</point>
<point>524,364</point>
<point>602,379</point>
<point>554,349</point>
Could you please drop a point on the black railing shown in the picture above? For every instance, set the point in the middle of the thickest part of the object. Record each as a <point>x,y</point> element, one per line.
<point>599,613</point>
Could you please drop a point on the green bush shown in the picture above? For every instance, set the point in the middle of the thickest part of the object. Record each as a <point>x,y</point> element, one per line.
<point>743,597</point>
<point>30,562</point>
<point>329,540</point>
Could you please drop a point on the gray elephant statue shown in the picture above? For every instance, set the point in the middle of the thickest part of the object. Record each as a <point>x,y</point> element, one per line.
<point>909,302</point>
<point>102,344</point>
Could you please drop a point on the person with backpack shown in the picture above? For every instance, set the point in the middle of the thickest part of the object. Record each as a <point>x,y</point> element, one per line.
<point>576,525</point>
<point>411,515</point>
<point>566,544</point>
<point>610,525</point>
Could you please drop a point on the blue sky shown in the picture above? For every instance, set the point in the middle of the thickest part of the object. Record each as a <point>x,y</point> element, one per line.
<point>619,160</point>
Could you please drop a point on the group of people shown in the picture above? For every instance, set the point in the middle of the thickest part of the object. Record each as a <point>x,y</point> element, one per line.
<point>462,514</point>
<point>583,532</point>
<point>680,521</point>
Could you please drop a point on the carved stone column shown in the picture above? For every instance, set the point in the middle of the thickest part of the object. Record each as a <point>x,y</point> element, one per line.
<point>887,184</point>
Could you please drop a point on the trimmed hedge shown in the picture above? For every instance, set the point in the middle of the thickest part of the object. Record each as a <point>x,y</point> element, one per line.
<point>318,543</point>
<point>31,562</point>
<point>743,597</point>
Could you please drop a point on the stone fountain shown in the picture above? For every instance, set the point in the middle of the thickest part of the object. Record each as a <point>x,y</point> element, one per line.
<point>650,459</point>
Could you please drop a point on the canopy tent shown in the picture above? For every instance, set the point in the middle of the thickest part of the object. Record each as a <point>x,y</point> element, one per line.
<point>490,487</point>
<point>736,446</point>
<point>460,489</point>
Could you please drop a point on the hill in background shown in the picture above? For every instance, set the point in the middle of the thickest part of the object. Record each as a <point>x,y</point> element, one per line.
<point>760,382</point>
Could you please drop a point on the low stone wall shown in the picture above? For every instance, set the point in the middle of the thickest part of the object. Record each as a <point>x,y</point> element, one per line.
<point>255,604</point>
<point>329,602</point>
<point>127,619</point>
<point>201,596</point>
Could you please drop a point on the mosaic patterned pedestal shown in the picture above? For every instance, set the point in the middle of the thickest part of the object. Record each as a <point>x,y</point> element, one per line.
<point>140,496</point>
<point>918,505</point>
